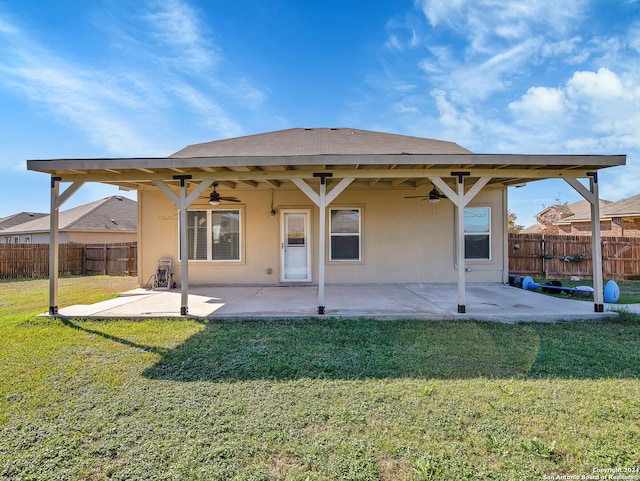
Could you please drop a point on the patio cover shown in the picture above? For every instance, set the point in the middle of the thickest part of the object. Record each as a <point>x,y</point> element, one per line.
<point>322,162</point>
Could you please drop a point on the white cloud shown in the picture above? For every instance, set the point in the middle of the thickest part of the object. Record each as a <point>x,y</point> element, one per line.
<point>177,31</point>
<point>393,43</point>
<point>210,114</point>
<point>482,20</point>
<point>127,109</point>
<point>495,42</point>
<point>600,85</point>
<point>409,105</point>
<point>88,99</point>
<point>525,77</point>
<point>569,50</point>
<point>540,100</point>
<point>634,37</point>
<point>455,122</point>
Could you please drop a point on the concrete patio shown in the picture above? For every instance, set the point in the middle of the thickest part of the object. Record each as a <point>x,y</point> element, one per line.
<point>491,302</point>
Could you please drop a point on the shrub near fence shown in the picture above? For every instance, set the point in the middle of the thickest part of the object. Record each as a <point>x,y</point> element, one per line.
<point>563,256</point>
<point>26,261</point>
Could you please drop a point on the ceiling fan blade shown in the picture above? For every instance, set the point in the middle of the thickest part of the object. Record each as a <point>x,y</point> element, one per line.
<point>416,196</point>
<point>230,199</point>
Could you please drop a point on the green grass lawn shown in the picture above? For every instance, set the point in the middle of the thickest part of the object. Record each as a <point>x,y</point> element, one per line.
<point>316,400</point>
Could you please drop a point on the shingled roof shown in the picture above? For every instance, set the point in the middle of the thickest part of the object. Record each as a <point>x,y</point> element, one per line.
<point>320,141</point>
<point>624,208</point>
<point>629,207</point>
<point>19,218</point>
<point>110,214</point>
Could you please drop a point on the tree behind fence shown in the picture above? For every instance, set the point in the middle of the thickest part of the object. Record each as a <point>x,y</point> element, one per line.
<point>26,261</point>
<point>563,256</point>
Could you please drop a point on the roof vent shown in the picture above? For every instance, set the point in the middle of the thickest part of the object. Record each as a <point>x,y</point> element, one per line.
<point>308,129</point>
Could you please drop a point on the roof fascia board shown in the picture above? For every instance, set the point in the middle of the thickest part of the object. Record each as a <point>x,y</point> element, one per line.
<point>535,174</point>
<point>364,159</point>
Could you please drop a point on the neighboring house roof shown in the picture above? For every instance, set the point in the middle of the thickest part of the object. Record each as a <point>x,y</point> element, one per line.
<point>532,229</point>
<point>576,210</point>
<point>19,218</point>
<point>629,207</point>
<point>622,208</point>
<point>583,208</point>
<point>111,214</point>
<point>337,141</point>
<point>580,207</point>
<point>562,208</point>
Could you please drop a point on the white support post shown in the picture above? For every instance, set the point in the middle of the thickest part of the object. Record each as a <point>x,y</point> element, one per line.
<point>596,246</point>
<point>322,200</point>
<point>184,252</point>
<point>592,195</point>
<point>460,200</point>
<point>53,248</point>
<point>322,205</point>
<point>182,202</point>
<point>460,246</point>
<point>54,241</point>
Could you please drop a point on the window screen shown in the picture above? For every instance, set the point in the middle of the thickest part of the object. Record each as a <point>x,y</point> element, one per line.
<point>477,233</point>
<point>345,235</point>
<point>213,235</point>
<point>225,233</point>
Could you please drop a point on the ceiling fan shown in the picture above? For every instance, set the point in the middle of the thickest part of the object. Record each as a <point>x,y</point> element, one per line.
<point>215,197</point>
<point>433,196</point>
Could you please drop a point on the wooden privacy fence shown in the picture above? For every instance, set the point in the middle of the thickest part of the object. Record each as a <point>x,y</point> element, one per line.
<point>25,261</point>
<point>564,256</point>
<point>111,259</point>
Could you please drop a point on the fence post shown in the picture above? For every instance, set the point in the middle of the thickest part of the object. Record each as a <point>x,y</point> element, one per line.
<point>129,261</point>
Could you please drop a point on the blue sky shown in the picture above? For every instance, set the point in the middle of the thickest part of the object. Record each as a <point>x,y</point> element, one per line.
<point>120,78</point>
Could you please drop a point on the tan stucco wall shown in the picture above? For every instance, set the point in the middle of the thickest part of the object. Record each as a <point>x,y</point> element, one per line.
<point>403,240</point>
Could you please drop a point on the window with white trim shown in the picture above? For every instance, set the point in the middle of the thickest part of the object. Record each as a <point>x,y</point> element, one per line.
<point>477,233</point>
<point>345,234</point>
<point>214,235</point>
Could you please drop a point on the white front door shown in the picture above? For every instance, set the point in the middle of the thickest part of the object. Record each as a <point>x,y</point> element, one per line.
<point>295,246</point>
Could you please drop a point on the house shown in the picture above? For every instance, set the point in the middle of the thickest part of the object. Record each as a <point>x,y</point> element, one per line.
<point>13,220</point>
<point>109,220</point>
<point>549,218</point>
<point>617,219</point>
<point>318,205</point>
